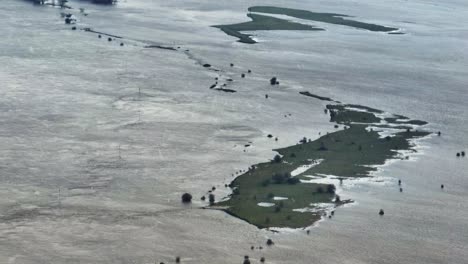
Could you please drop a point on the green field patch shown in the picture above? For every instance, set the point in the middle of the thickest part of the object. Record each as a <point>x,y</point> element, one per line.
<point>330,18</point>
<point>261,22</point>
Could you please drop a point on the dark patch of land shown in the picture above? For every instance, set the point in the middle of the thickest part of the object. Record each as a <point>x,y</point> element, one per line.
<point>225,90</point>
<point>316,96</point>
<point>260,22</point>
<point>159,47</point>
<point>331,18</point>
<point>101,33</point>
<point>406,122</point>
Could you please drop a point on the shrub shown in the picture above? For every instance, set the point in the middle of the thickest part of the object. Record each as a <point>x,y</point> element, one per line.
<point>211,198</point>
<point>186,198</point>
<point>331,188</point>
<point>270,242</point>
<point>236,191</point>
<point>337,199</point>
<point>273,81</point>
<point>303,140</point>
<point>277,158</point>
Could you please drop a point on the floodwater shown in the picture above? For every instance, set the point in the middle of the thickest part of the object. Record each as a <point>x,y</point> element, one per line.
<point>99,141</point>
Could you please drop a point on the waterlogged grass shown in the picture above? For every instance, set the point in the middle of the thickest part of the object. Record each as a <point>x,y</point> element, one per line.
<point>330,18</point>
<point>260,22</point>
<point>344,153</point>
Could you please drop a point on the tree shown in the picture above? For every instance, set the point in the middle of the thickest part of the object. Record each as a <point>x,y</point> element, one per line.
<point>331,188</point>
<point>186,198</point>
<point>270,242</point>
<point>273,81</point>
<point>277,158</point>
<point>211,198</point>
<point>337,199</point>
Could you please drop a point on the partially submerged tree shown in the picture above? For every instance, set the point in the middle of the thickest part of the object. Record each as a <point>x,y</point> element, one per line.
<point>273,81</point>
<point>277,158</point>
<point>211,198</point>
<point>270,242</point>
<point>186,198</point>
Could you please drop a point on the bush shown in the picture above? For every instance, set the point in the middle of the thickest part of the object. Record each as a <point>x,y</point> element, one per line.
<point>270,242</point>
<point>186,198</point>
<point>211,198</point>
<point>277,158</point>
<point>236,191</point>
<point>303,140</point>
<point>331,188</point>
<point>337,199</point>
<point>273,81</point>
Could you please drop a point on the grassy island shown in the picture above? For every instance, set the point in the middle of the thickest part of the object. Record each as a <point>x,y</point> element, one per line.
<point>260,22</point>
<point>276,193</point>
<point>267,22</point>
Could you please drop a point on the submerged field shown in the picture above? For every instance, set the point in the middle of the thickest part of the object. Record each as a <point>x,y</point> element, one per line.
<point>346,153</point>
